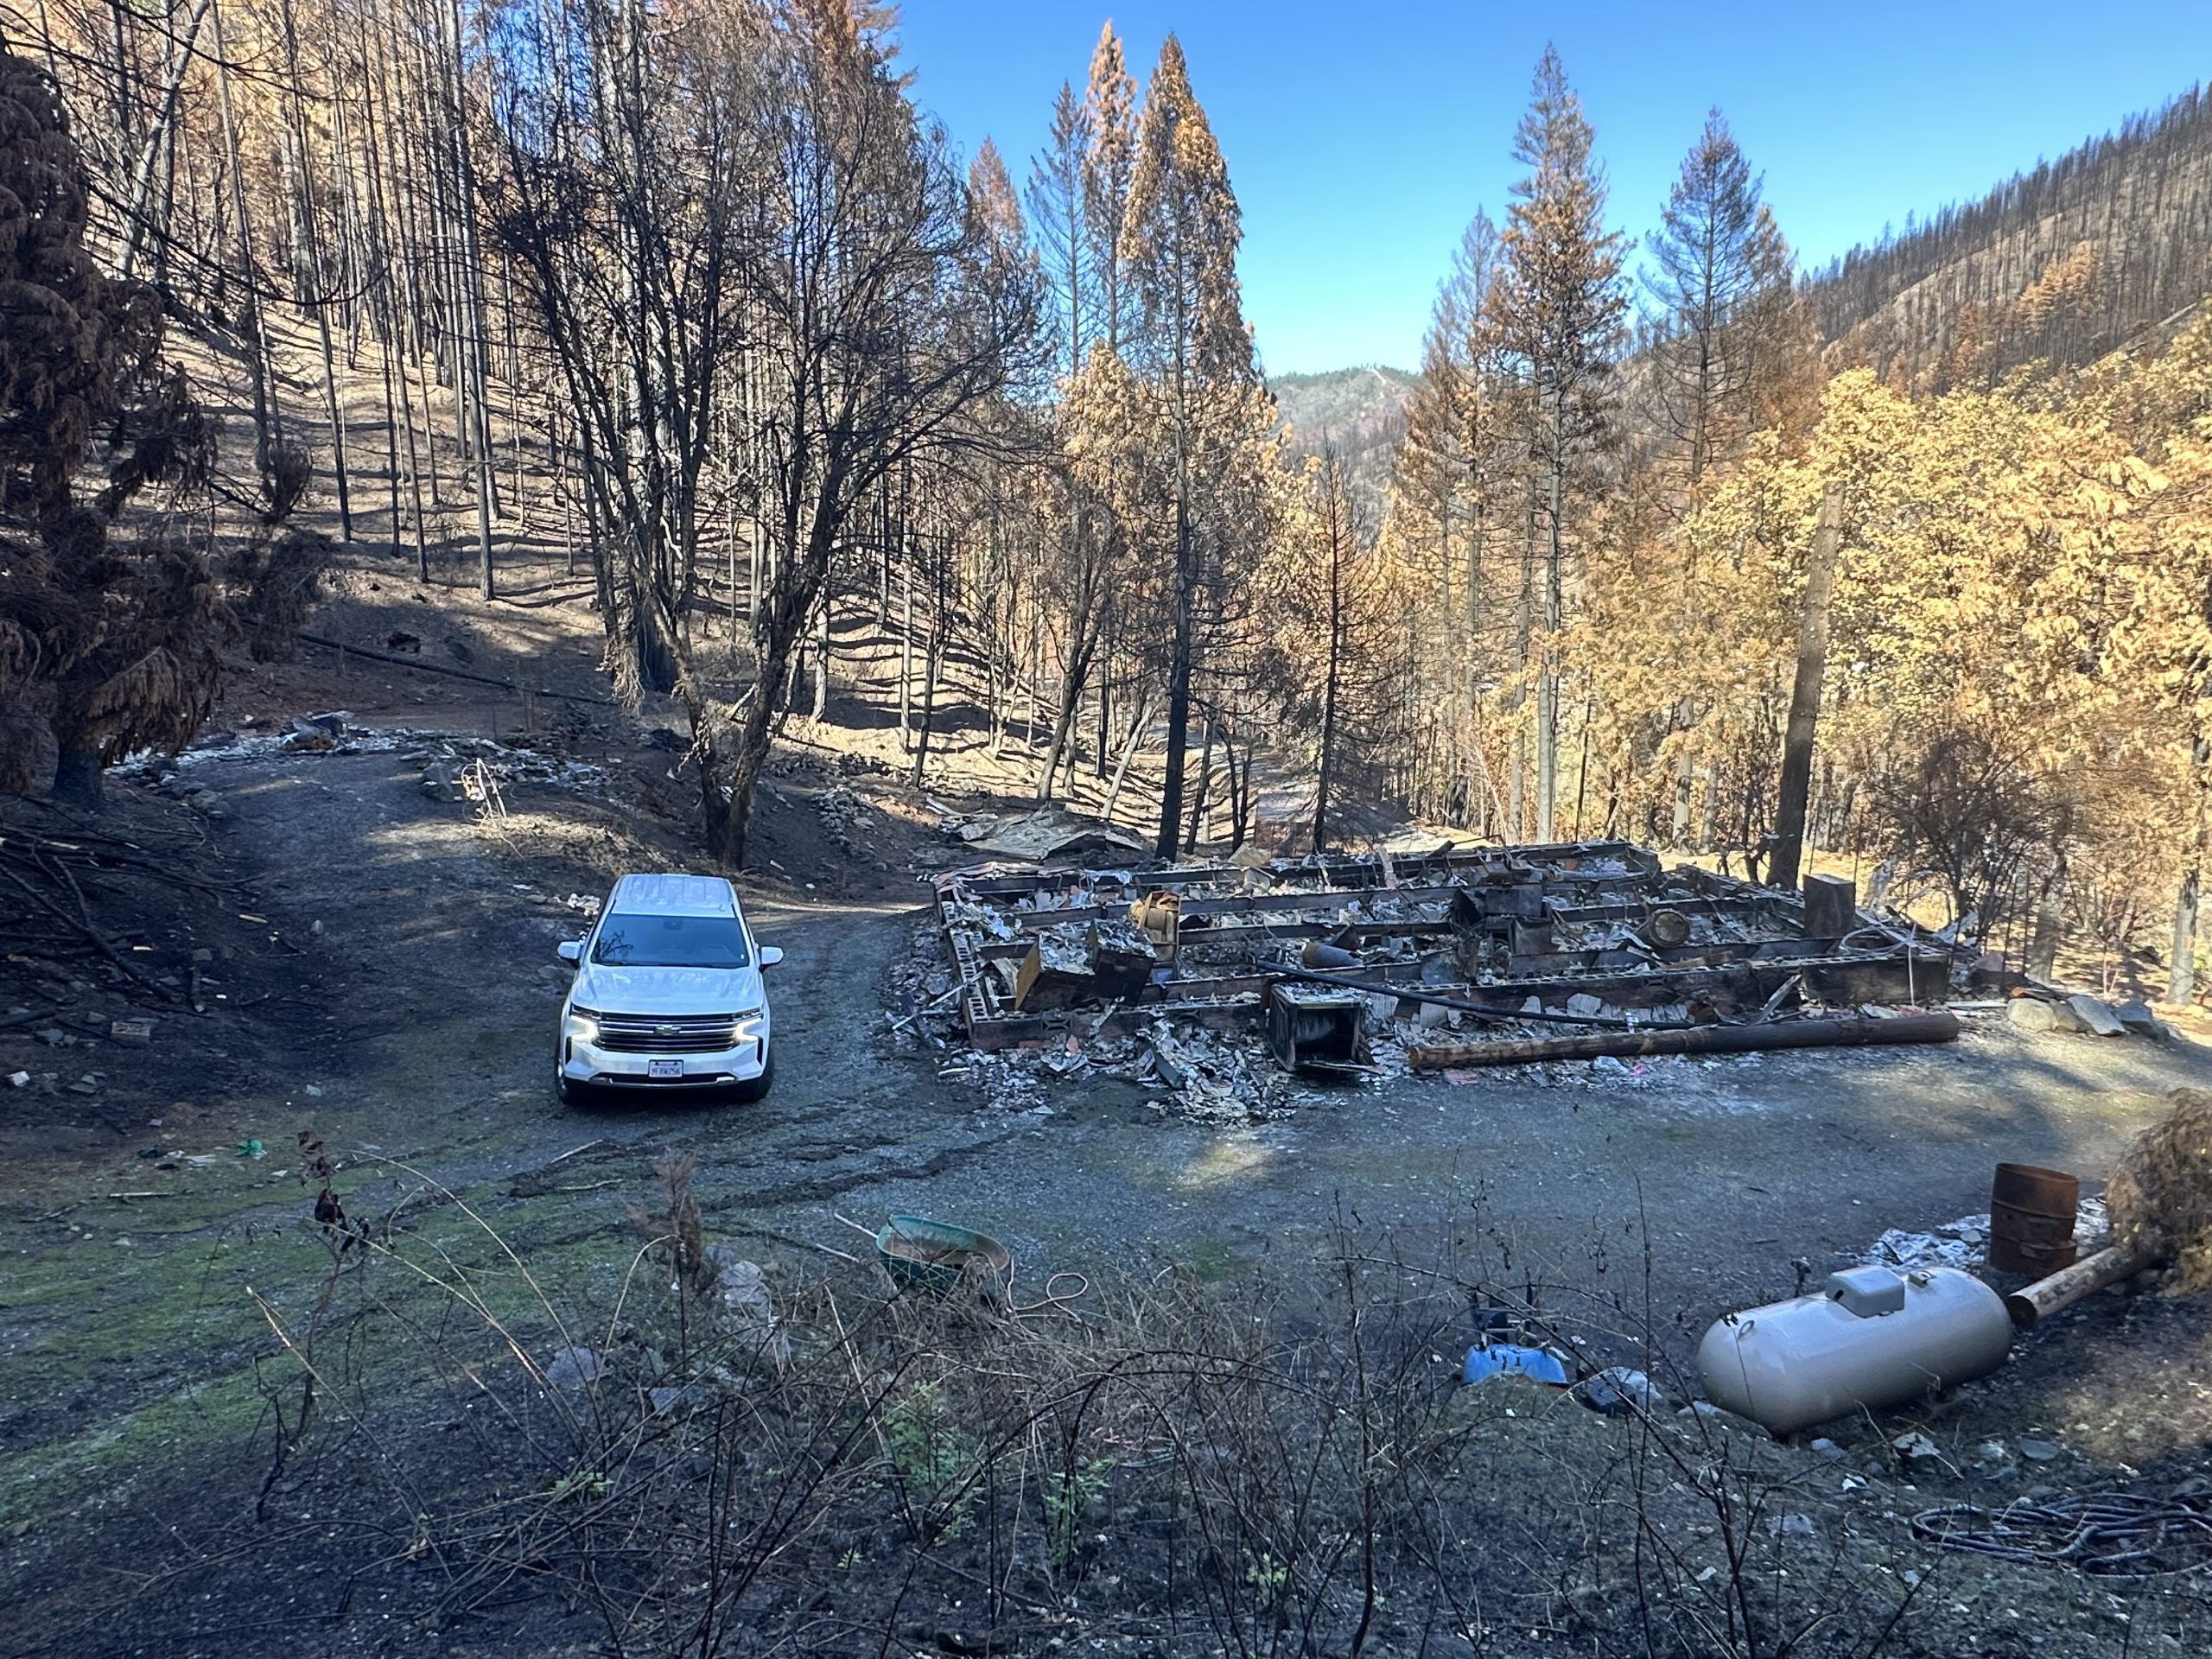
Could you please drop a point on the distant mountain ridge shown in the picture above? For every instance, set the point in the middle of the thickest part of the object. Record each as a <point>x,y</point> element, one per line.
<point>1361,409</point>
<point>2065,262</point>
<point>2111,242</point>
<point>1353,406</point>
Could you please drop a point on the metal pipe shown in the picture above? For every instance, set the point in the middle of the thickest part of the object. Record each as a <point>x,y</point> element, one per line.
<point>1857,1032</point>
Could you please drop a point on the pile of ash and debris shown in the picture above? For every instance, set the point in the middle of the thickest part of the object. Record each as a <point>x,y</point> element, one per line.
<point>450,761</point>
<point>1218,983</point>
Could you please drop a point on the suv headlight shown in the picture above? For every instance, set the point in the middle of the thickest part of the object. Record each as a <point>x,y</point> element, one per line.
<point>746,1028</point>
<point>581,1026</point>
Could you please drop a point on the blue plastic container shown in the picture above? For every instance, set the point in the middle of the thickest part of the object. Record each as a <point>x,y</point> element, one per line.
<point>1486,1360</point>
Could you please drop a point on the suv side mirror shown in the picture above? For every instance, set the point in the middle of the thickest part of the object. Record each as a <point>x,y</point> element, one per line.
<point>770,956</point>
<point>570,950</point>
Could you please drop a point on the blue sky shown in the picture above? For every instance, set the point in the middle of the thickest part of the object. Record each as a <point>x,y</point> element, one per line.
<point>1362,136</point>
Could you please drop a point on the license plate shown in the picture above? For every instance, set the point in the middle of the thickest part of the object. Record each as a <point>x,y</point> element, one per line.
<point>664,1068</point>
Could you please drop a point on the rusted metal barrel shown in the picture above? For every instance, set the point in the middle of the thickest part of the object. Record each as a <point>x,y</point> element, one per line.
<point>2031,1214</point>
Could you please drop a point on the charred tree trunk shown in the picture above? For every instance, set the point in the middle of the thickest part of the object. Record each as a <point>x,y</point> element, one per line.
<point>1180,660</point>
<point>78,779</point>
<point>1805,694</point>
<point>2181,964</point>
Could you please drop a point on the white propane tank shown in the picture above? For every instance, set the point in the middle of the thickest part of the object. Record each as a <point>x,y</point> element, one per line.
<point>1873,1338</point>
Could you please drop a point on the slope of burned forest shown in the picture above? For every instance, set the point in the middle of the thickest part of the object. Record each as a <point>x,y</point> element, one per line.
<point>2103,247</point>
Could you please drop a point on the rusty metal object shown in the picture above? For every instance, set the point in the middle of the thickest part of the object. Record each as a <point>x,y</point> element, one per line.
<point>1056,974</point>
<point>1311,1029</point>
<point>2032,1213</point>
<point>1831,906</point>
<point>1856,1033</point>
<point>1666,929</point>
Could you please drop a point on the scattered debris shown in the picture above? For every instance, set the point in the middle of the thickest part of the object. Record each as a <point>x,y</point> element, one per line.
<point>1038,836</point>
<point>446,758</point>
<point>1596,933</point>
<point>1618,1391</point>
<point>1963,1243</point>
<point>1172,976</point>
<point>316,732</point>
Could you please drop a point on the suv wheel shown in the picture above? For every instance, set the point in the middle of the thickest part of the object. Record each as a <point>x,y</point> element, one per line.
<point>757,1088</point>
<point>572,1093</point>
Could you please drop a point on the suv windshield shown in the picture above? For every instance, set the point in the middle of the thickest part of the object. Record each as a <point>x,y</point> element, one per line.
<point>671,942</point>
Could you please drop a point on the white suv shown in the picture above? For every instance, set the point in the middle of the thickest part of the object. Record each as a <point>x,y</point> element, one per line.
<point>668,993</point>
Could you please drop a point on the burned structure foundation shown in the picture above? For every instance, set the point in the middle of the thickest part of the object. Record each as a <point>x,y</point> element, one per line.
<point>1590,934</point>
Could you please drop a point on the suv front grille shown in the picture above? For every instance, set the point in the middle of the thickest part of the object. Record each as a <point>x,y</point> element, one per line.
<point>682,1033</point>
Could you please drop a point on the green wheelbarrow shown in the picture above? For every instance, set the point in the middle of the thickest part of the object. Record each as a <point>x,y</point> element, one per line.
<point>939,1257</point>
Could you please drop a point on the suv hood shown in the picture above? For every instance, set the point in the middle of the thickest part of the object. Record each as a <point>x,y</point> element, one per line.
<point>668,990</point>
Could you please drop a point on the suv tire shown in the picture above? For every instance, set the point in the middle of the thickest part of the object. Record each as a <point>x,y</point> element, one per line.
<point>756,1088</point>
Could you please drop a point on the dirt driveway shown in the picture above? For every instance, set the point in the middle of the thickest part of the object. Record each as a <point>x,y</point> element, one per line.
<point>420,988</point>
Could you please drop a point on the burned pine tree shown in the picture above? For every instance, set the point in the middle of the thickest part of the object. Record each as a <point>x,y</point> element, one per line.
<point>109,642</point>
<point>788,218</point>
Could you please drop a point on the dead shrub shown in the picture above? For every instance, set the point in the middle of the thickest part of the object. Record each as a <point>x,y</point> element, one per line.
<point>1254,1470</point>
<point>2160,1192</point>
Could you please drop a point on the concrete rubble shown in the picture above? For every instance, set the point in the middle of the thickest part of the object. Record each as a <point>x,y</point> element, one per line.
<point>2086,1016</point>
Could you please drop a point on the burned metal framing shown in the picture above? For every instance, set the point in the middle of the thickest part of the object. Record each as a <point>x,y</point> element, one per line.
<point>1560,883</point>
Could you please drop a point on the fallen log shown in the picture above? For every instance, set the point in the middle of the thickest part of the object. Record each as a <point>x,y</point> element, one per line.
<point>2069,1285</point>
<point>1857,1031</point>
